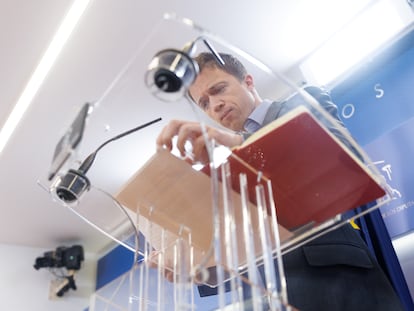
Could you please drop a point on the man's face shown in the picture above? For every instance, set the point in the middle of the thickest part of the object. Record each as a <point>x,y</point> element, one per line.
<point>224,98</point>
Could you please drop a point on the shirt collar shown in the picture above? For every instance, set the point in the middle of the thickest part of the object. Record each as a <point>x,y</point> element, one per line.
<point>256,118</point>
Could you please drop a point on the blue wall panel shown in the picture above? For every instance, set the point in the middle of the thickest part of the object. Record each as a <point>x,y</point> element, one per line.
<point>377,105</point>
<point>380,97</point>
<point>393,153</point>
<point>114,264</point>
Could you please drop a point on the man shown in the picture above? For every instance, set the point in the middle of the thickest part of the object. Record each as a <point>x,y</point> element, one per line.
<point>333,272</point>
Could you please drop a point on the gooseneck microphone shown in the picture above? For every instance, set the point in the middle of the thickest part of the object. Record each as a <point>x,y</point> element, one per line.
<point>71,186</point>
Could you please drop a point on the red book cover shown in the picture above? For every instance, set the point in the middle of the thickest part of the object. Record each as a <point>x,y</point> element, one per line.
<point>314,177</point>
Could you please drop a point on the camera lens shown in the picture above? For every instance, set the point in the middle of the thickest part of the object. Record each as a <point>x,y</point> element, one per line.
<point>167,81</point>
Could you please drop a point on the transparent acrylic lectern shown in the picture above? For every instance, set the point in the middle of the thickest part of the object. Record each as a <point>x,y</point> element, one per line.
<point>223,225</point>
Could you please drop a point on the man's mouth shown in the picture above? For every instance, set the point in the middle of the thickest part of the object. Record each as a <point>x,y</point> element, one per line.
<point>225,115</point>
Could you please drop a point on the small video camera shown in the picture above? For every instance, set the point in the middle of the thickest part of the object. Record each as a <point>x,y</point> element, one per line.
<point>67,257</point>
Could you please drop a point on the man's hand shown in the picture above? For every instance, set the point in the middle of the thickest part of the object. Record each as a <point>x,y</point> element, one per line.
<point>192,132</point>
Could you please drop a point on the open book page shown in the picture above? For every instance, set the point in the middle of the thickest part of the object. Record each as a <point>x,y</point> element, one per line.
<point>314,176</point>
<point>170,193</point>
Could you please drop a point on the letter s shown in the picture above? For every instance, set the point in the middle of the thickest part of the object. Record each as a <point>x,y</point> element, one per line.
<point>379,90</point>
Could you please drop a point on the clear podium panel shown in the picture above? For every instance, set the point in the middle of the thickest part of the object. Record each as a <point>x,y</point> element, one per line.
<point>146,287</point>
<point>223,224</point>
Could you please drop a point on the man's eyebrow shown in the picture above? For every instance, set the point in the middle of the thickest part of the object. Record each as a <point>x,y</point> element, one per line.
<point>219,83</point>
<point>212,89</point>
<point>209,90</point>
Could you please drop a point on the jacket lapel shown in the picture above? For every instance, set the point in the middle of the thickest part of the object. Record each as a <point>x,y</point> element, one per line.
<point>273,112</point>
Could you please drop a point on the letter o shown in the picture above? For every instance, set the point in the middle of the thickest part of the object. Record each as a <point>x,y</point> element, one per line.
<point>348,111</point>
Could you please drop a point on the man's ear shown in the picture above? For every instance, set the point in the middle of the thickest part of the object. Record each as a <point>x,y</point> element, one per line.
<point>248,79</point>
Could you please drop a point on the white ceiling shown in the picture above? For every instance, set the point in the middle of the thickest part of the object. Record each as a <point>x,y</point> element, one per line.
<point>279,33</point>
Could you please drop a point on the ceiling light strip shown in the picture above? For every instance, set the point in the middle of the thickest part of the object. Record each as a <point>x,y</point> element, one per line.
<point>42,69</point>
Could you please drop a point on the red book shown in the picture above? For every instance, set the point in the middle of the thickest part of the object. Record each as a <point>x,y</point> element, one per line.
<point>314,176</point>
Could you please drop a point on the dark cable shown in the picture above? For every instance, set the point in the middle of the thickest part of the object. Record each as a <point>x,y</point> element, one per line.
<point>86,164</point>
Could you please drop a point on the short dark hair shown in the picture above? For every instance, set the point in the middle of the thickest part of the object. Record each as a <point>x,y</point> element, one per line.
<point>231,64</point>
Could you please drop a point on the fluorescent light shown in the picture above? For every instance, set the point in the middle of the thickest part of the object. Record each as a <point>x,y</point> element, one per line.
<point>361,37</point>
<point>42,69</point>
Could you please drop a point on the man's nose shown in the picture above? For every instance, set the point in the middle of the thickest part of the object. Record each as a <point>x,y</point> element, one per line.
<point>217,104</point>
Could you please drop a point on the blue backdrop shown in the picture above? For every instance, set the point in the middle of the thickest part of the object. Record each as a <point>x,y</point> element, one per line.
<point>393,153</point>
<point>377,105</point>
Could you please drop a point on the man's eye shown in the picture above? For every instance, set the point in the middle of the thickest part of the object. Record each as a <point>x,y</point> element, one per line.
<point>203,104</point>
<point>219,89</point>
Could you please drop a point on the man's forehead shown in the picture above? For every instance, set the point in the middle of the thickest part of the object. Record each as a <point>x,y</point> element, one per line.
<point>205,80</point>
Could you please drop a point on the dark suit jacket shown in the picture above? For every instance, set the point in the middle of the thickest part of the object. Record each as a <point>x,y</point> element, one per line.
<point>335,271</point>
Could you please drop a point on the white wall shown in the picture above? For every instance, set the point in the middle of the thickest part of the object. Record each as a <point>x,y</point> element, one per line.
<point>24,288</point>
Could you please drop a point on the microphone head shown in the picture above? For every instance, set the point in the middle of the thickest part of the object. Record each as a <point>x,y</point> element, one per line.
<point>167,80</point>
<point>170,74</point>
<point>72,186</point>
